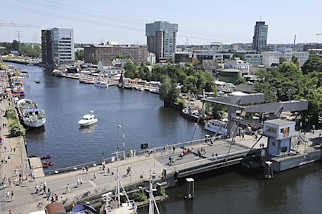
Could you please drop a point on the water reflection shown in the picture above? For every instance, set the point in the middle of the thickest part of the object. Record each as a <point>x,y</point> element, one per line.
<point>87,129</point>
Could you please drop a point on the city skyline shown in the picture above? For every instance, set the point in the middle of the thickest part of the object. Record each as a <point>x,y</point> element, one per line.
<point>206,22</point>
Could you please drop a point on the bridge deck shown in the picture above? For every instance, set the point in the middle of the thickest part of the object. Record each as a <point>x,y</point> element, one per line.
<point>104,182</point>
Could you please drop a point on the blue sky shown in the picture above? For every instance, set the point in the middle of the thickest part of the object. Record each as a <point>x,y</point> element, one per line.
<point>200,22</point>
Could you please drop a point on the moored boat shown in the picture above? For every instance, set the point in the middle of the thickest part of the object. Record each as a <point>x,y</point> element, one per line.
<point>57,73</point>
<point>30,114</point>
<point>113,205</point>
<point>217,127</point>
<point>101,84</point>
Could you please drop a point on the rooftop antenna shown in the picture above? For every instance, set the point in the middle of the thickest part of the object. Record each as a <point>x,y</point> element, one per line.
<point>294,41</point>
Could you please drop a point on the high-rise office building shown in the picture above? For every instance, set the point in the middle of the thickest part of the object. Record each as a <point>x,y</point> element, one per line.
<point>57,46</point>
<point>260,36</point>
<point>161,39</point>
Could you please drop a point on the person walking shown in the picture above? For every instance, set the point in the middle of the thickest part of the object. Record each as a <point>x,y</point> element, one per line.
<point>8,196</point>
<point>48,194</point>
<point>12,194</point>
<point>67,188</point>
<point>44,188</point>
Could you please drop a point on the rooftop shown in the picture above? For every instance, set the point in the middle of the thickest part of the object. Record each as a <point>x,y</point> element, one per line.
<point>279,122</point>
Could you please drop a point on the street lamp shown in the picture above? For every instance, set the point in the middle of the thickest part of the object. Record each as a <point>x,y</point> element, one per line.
<point>122,138</point>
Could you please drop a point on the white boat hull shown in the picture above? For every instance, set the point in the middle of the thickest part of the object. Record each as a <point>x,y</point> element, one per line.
<point>216,129</point>
<point>84,123</point>
<point>35,123</point>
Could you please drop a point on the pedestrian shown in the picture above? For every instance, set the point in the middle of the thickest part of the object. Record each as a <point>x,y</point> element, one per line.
<point>67,189</point>
<point>8,196</point>
<point>36,189</point>
<point>12,194</point>
<point>56,197</point>
<point>173,149</point>
<point>78,182</point>
<point>44,188</point>
<point>48,195</point>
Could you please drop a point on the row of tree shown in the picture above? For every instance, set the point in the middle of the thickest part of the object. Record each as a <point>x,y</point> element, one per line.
<point>190,79</point>
<point>171,75</point>
<point>24,49</point>
<point>288,81</point>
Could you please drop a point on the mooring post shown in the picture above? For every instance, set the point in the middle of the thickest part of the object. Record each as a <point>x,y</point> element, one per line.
<point>190,188</point>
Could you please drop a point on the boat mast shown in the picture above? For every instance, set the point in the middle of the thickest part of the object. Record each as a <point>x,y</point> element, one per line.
<point>118,188</point>
<point>152,203</point>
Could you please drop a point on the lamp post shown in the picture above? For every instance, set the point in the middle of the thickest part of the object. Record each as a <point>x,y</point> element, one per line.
<point>122,138</point>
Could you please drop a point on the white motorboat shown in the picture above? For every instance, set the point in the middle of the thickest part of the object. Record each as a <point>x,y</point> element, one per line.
<point>88,119</point>
<point>101,84</point>
<point>57,73</point>
<point>216,126</point>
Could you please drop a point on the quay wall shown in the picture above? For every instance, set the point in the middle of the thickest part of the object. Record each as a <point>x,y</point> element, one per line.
<point>281,164</point>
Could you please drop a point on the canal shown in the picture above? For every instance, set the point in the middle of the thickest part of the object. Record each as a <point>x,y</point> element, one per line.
<point>144,120</point>
<point>136,116</point>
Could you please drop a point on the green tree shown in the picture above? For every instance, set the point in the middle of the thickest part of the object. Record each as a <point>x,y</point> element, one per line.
<point>79,55</point>
<point>238,55</point>
<point>295,60</point>
<point>168,91</point>
<point>130,70</point>
<point>282,60</point>
<point>313,64</point>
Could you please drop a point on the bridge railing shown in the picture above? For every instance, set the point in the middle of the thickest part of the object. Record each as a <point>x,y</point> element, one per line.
<point>113,157</point>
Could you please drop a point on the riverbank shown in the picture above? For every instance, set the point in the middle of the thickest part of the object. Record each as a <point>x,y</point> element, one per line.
<point>14,166</point>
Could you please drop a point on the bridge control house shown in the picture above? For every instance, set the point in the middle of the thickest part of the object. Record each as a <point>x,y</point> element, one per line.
<point>279,133</point>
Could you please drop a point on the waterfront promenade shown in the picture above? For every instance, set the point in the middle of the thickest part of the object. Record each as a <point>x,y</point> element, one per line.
<point>96,181</point>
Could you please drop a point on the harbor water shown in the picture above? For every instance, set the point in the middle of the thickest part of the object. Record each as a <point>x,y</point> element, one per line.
<point>144,120</point>
<point>130,116</point>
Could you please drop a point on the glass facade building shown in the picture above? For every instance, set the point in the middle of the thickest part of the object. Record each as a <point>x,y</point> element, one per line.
<point>161,39</point>
<point>260,36</point>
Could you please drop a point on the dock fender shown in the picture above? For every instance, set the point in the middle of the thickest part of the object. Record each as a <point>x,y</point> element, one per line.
<point>176,174</point>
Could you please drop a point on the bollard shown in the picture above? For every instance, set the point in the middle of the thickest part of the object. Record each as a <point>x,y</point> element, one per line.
<point>268,170</point>
<point>190,188</point>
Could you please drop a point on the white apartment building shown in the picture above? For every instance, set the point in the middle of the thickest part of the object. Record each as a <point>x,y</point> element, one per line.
<point>239,65</point>
<point>62,45</point>
<point>270,57</point>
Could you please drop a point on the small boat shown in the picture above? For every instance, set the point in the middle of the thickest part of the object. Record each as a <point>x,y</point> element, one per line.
<point>43,157</point>
<point>128,86</point>
<point>101,84</point>
<point>88,119</point>
<point>57,73</point>
<point>37,81</point>
<point>45,164</point>
<point>24,71</point>
<point>82,209</point>
<point>51,163</point>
